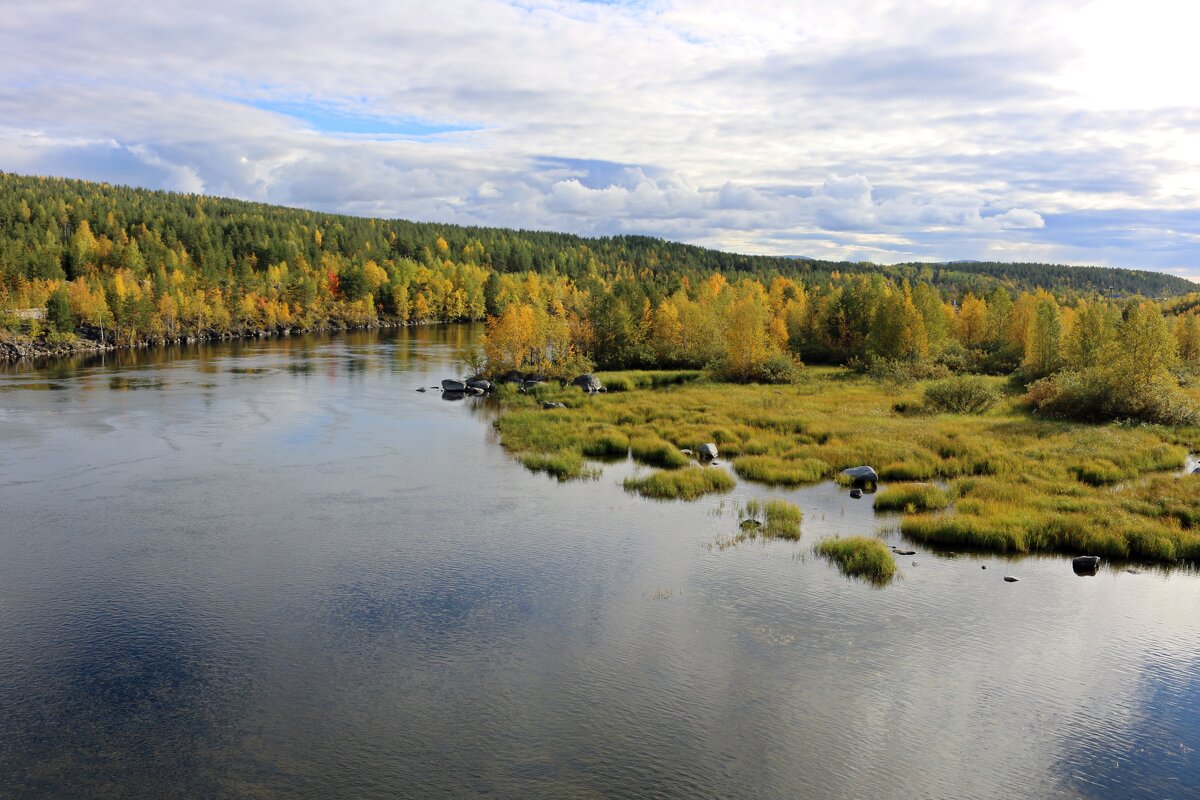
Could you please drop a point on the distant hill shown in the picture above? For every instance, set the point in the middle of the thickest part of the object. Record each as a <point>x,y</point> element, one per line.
<point>222,237</point>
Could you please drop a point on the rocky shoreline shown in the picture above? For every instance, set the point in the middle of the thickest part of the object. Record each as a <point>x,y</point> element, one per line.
<point>14,348</point>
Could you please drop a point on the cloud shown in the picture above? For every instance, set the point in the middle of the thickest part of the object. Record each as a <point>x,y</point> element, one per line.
<point>934,130</point>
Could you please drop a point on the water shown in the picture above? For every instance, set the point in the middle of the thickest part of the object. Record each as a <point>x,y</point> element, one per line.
<point>275,569</point>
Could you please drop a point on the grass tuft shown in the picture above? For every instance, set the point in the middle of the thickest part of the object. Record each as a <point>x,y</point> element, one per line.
<point>688,483</point>
<point>860,556</point>
<point>911,497</point>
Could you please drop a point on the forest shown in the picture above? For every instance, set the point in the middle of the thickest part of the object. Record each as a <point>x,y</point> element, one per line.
<point>130,266</point>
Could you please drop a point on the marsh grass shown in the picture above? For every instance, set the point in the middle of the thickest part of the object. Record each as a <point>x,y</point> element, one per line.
<point>782,519</point>
<point>562,464</point>
<point>688,483</point>
<point>860,557</point>
<point>1019,483</point>
<point>911,497</point>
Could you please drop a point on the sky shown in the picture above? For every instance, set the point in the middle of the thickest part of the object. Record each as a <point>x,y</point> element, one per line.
<point>1065,131</point>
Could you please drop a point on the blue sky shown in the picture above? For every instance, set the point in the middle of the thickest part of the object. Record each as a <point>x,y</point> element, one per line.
<point>1059,130</point>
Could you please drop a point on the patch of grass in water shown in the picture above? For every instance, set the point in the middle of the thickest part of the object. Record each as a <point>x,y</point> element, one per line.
<point>780,471</point>
<point>688,483</point>
<point>860,557</point>
<point>782,519</point>
<point>562,464</point>
<point>911,497</point>
<point>657,452</point>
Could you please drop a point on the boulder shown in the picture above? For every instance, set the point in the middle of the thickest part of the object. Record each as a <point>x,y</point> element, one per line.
<point>1086,565</point>
<point>750,524</point>
<point>861,474</point>
<point>475,391</point>
<point>687,452</point>
<point>1010,579</point>
<point>553,405</point>
<point>450,385</point>
<point>708,450</point>
<point>855,494</point>
<point>588,382</point>
<point>481,384</point>
<point>421,389</point>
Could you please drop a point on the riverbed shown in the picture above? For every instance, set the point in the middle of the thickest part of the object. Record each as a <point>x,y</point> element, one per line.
<point>274,568</point>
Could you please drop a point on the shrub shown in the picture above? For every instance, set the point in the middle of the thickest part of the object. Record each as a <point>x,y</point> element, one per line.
<point>967,394</point>
<point>1098,395</point>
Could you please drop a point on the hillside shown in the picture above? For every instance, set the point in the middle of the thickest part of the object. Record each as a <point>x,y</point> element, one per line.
<point>43,236</point>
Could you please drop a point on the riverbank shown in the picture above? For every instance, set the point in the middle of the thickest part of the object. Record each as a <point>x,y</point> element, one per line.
<point>17,347</point>
<point>1014,482</point>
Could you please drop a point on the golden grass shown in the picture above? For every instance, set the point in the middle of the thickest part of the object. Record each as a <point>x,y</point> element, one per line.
<point>689,483</point>
<point>860,557</point>
<point>1019,483</point>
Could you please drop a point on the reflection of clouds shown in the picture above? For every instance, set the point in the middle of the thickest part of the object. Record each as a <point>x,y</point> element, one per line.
<point>1152,750</point>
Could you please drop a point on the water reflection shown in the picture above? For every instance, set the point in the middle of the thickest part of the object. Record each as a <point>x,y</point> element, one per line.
<point>283,571</point>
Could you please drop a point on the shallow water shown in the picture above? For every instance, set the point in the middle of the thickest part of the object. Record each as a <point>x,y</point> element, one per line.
<point>275,569</point>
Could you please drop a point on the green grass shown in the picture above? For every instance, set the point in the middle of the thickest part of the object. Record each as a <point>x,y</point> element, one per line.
<point>650,449</point>
<point>782,519</point>
<point>1019,483</point>
<point>562,464</point>
<point>860,557</point>
<point>911,497</point>
<point>688,483</point>
<point>780,471</point>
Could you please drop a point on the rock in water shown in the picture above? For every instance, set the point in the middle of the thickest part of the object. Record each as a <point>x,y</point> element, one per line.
<point>421,389</point>
<point>1086,565</point>
<point>862,474</point>
<point>476,391</point>
<point>450,385</point>
<point>708,450</point>
<point>481,384</point>
<point>855,493</point>
<point>1010,579</point>
<point>750,524</point>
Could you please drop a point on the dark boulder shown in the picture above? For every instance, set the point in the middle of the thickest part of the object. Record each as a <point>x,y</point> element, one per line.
<point>450,385</point>
<point>481,384</point>
<point>855,494</point>
<point>588,382</point>
<point>1010,579</point>
<point>861,474</point>
<point>1086,565</point>
<point>421,389</point>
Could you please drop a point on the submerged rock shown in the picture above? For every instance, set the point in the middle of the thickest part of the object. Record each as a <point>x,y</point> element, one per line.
<point>421,389</point>
<point>451,385</point>
<point>750,524</point>
<point>855,493</point>
<point>708,450</point>
<point>862,474</point>
<point>1010,579</point>
<point>900,552</point>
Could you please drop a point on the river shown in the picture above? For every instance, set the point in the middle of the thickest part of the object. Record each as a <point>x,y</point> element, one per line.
<point>274,569</point>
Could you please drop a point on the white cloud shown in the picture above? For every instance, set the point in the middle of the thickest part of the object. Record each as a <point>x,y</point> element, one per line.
<point>944,129</point>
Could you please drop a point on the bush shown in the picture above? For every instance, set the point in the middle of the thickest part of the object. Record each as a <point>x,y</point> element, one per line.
<point>1092,395</point>
<point>901,371</point>
<point>963,395</point>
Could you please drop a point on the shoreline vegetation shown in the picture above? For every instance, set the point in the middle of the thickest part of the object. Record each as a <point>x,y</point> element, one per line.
<point>1003,481</point>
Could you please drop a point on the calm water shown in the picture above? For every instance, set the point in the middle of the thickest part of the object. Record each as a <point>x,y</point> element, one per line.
<point>275,569</point>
